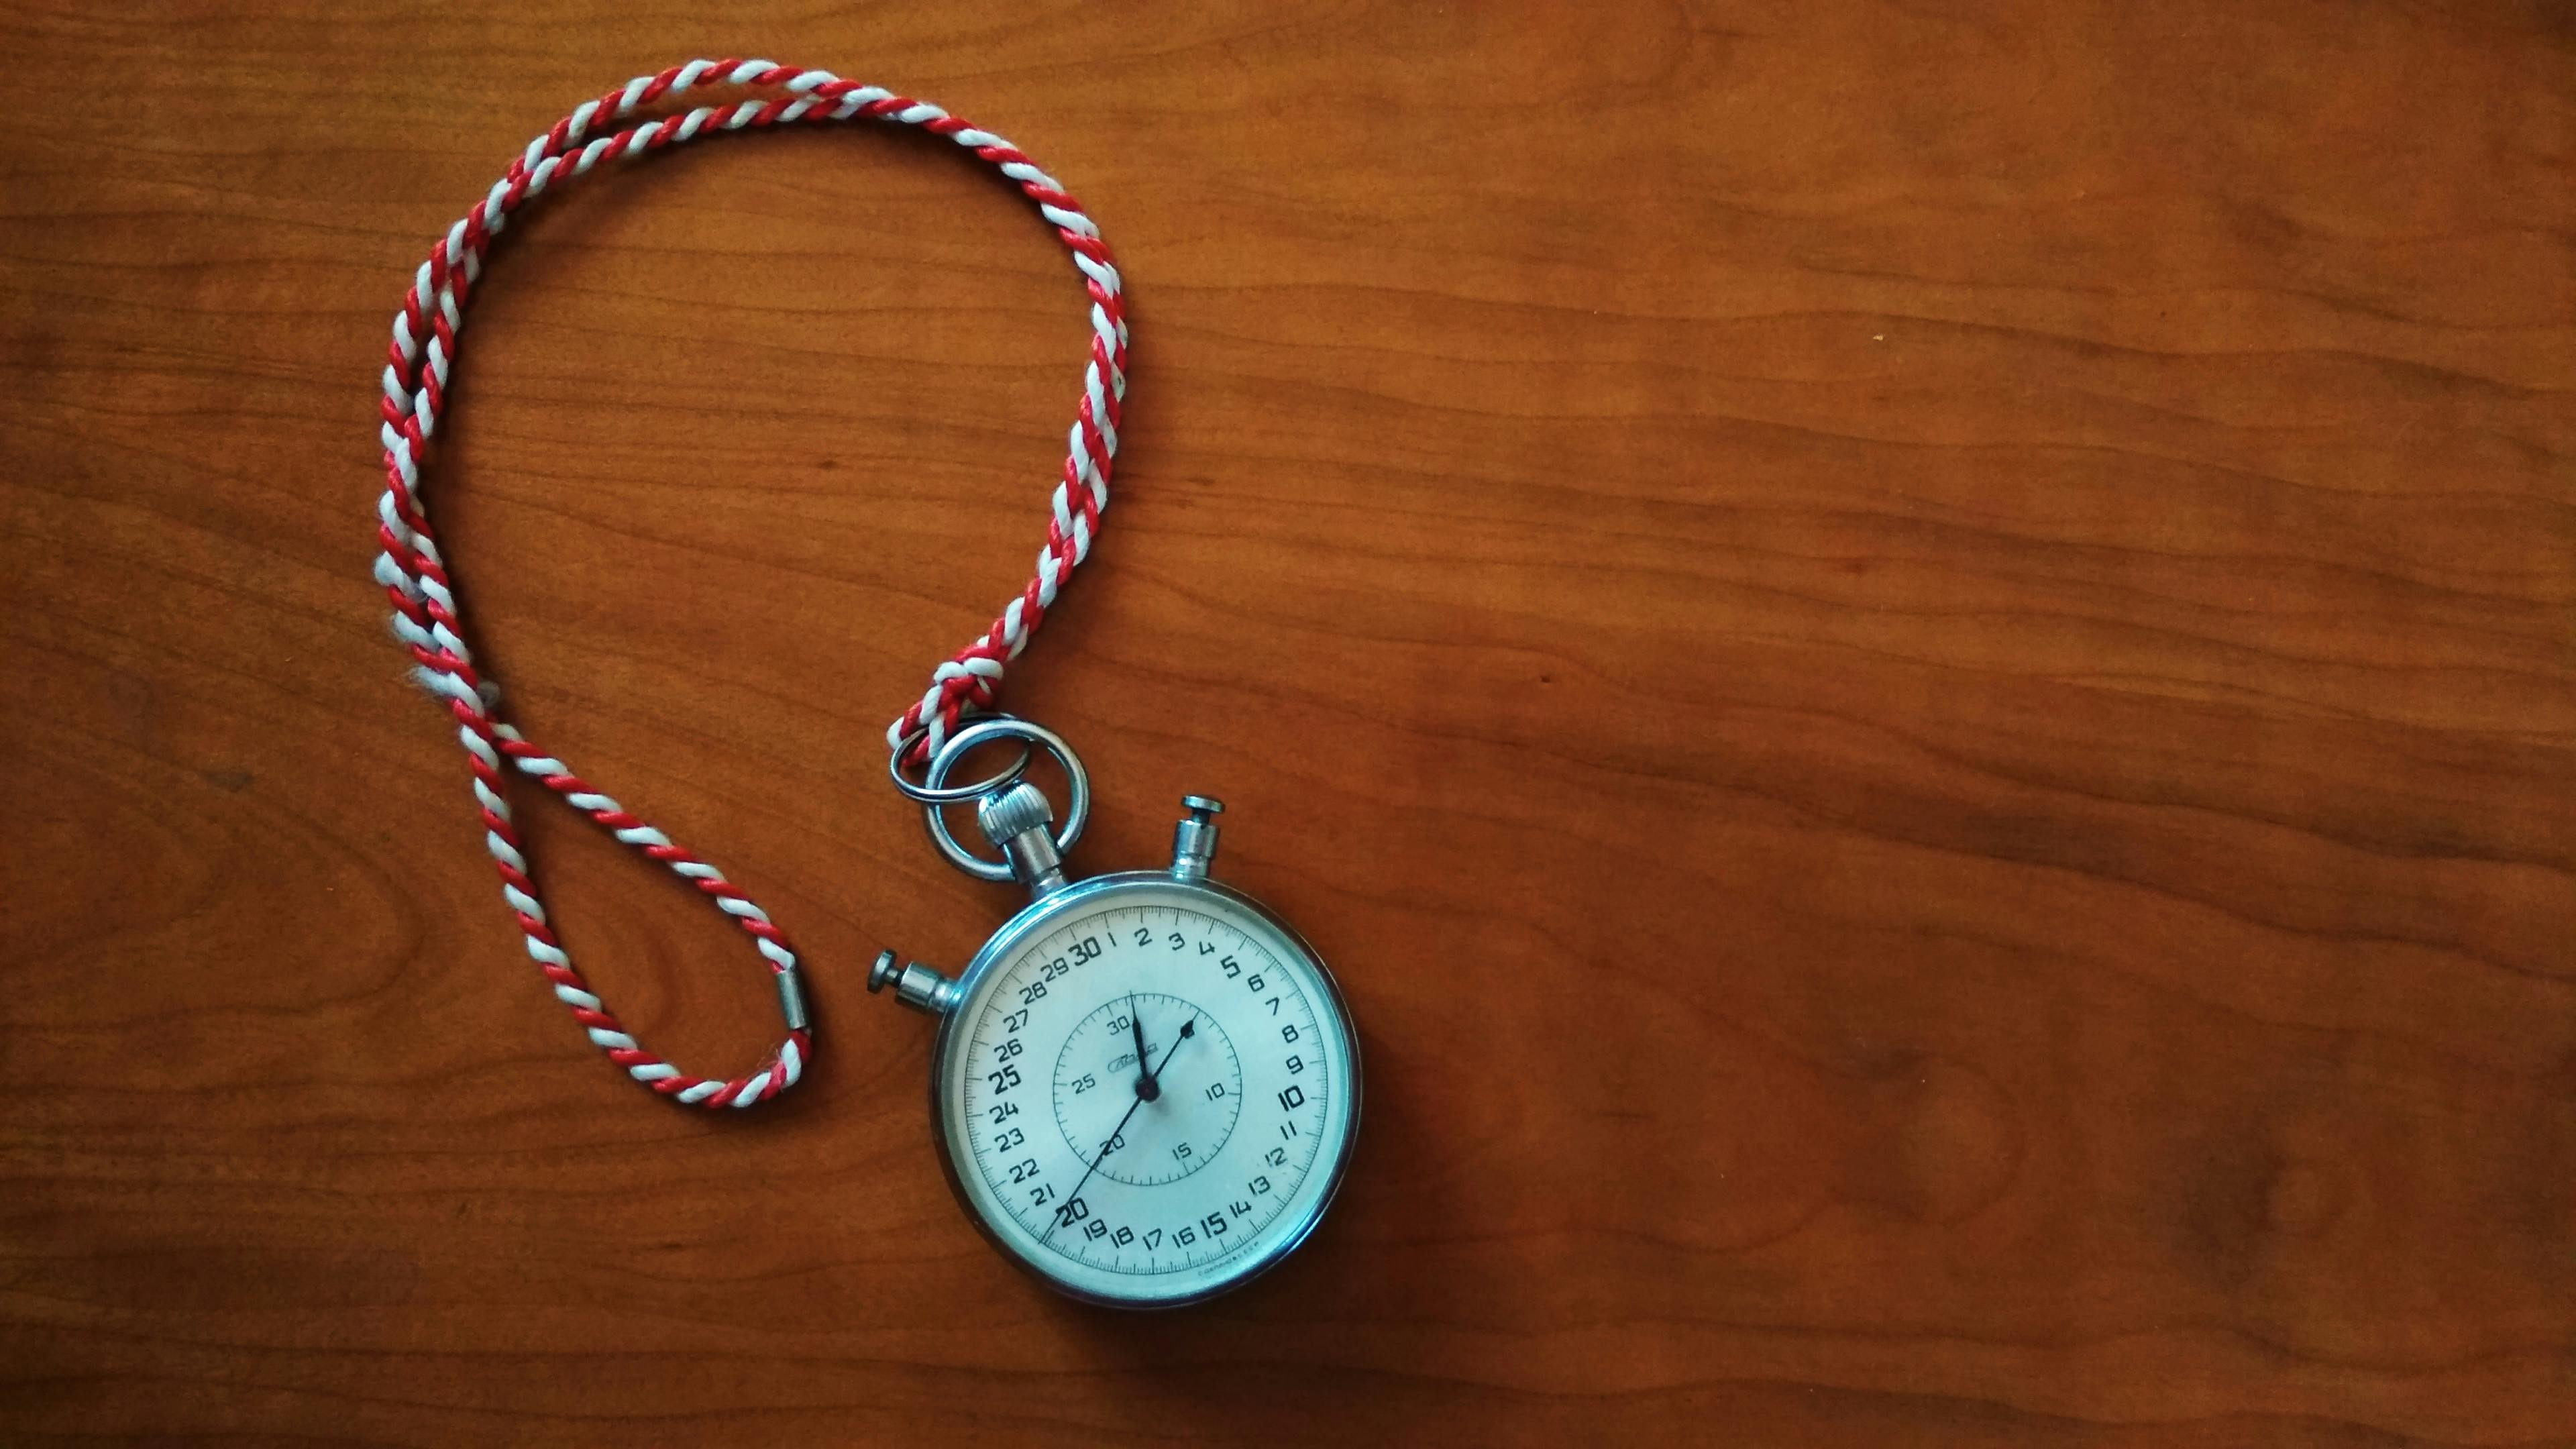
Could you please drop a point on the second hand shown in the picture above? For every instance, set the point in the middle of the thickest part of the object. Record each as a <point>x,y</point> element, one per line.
<point>1059,1220</point>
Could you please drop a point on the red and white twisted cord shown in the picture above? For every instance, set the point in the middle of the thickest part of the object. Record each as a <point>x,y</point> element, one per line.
<point>426,616</point>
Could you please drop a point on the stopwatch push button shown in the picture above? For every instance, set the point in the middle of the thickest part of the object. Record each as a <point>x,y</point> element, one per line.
<point>915,985</point>
<point>1194,839</point>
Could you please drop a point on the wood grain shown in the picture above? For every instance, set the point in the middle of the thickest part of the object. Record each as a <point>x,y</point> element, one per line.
<point>1918,658</point>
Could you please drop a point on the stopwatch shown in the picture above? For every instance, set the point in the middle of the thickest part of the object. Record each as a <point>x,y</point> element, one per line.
<point>1145,1087</point>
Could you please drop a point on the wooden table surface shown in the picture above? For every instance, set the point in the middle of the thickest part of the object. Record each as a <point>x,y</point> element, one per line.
<point>1916,657</point>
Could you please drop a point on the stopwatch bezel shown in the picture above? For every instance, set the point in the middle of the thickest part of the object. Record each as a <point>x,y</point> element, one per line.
<point>1089,894</point>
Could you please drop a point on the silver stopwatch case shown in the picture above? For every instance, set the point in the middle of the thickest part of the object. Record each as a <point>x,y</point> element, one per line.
<point>1145,1086</point>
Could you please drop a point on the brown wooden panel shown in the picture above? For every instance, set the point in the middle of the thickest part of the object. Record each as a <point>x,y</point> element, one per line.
<point>1918,660</point>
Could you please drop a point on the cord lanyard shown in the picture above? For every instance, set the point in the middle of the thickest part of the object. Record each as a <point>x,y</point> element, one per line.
<point>428,620</point>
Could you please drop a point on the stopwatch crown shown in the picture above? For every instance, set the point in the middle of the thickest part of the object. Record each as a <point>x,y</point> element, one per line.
<point>1016,820</point>
<point>1007,813</point>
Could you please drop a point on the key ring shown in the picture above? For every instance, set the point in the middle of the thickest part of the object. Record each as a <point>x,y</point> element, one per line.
<point>935,796</point>
<point>979,731</point>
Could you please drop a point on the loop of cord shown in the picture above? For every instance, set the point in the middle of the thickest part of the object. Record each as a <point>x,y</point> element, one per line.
<point>426,617</point>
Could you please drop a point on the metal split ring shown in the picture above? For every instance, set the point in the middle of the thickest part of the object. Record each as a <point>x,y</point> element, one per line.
<point>935,793</point>
<point>930,793</point>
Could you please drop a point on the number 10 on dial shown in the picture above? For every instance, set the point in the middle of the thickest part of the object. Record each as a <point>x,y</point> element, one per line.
<point>1145,1085</point>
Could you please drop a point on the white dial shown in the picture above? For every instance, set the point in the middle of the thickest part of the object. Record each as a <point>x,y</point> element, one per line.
<point>1184,1100</point>
<point>1148,1090</point>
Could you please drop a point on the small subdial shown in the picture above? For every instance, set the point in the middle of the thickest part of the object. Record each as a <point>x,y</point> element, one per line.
<point>1164,1067</point>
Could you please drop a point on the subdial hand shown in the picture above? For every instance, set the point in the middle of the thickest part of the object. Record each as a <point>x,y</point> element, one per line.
<point>1146,1087</point>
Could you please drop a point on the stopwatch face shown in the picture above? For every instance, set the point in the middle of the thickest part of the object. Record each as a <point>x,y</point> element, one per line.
<point>1148,1089</point>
